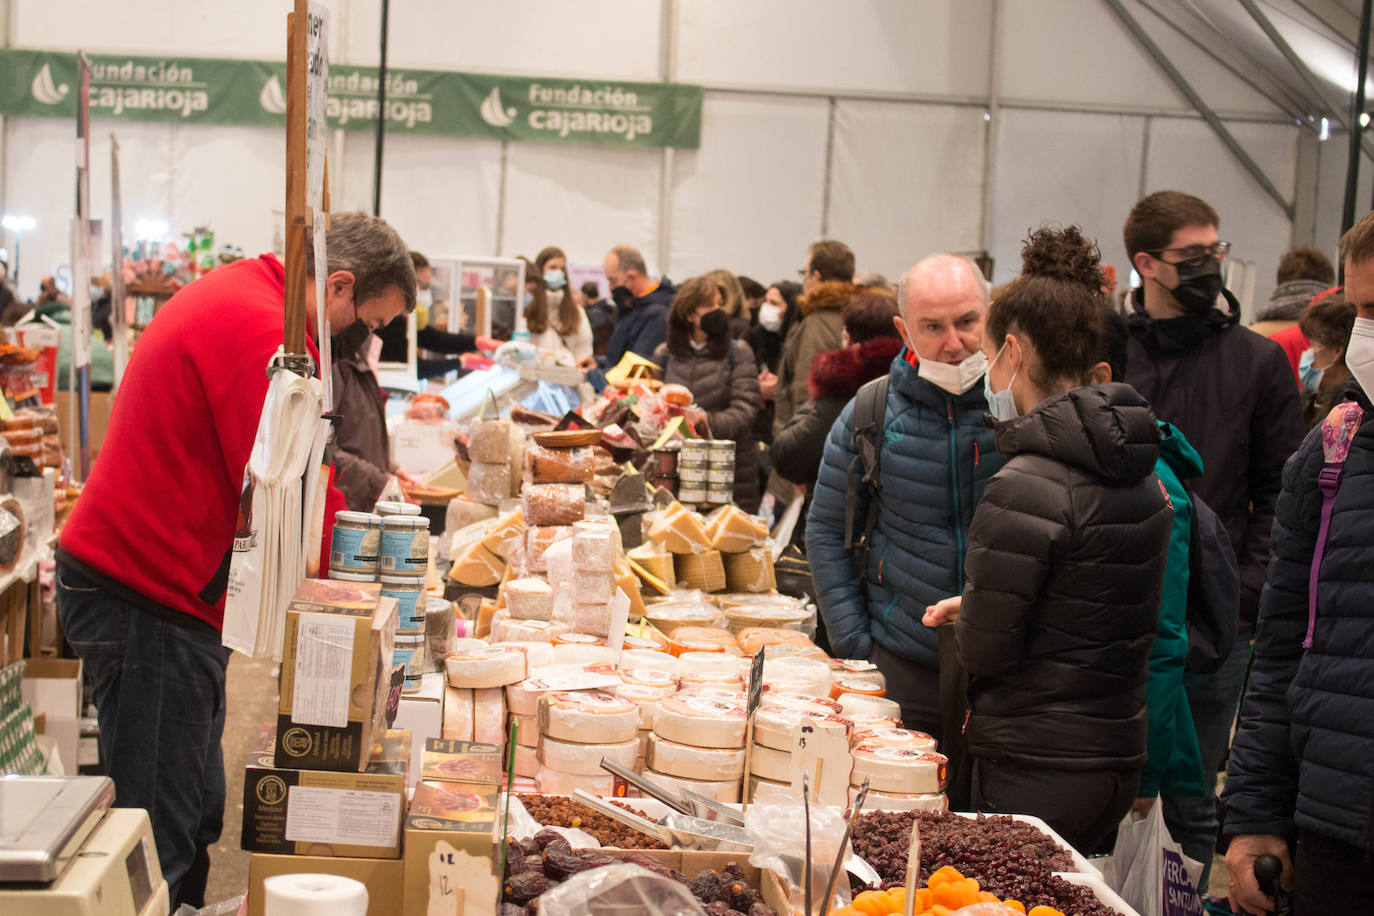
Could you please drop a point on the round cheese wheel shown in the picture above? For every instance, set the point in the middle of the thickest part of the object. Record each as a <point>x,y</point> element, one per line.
<point>585,759</point>
<point>506,630</point>
<point>773,726</point>
<point>642,658</point>
<point>751,639</point>
<point>526,761</point>
<point>646,698</point>
<point>858,683</point>
<point>893,737</point>
<point>528,735</point>
<point>710,764</point>
<point>899,769</point>
<point>699,664</point>
<point>770,763</point>
<point>552,782</point>
<point>861,704</point>
<point>537,654</point>
<point>858,722</point>
<point>592,618</point>
<point>702,639</point>
<point>457,714</point>
<point>700,719</point>
<point>489,715</point>
<point>809,676</point>
<point>522,702</point>
<point>579,654</point>
<point>649,677</point>
<point>896,801</point>
<point>529,599</point>
<point>724,791</point>
<point>722,681</point>
<point>590,716</point>
<point>768,791</point>
<point>787,699</point>
<point>649,640</point>
<point>668,616</point>
<point>488,666</point>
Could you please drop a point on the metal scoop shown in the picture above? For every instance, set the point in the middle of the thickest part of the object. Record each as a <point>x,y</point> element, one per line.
<point>678,830</point>
<point>684,802</point>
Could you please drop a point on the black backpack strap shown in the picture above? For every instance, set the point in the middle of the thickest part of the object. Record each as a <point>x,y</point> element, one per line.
<point>866,442</point>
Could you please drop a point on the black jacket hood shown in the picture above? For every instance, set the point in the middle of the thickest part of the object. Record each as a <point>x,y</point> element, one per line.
<point>1105,430</point>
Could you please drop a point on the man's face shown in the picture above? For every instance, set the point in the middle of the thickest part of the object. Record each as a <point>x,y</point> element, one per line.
<point>1186,244</point>
<point>376,313</point>
<point>1359,286</point>
<point>943,324</point>
<point>614,275</point>
<point>424,276</point>
<point>810,279</point>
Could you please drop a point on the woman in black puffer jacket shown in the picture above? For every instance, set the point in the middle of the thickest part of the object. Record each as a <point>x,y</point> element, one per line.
<point>1065,559</point>
<point>701,354</point>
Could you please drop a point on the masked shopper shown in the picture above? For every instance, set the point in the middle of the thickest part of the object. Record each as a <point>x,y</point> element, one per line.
<point>556,322</point>
<point>1326,324</point>
<point>701,354</point>
<point>143,562</point>
<point>1065,561</point>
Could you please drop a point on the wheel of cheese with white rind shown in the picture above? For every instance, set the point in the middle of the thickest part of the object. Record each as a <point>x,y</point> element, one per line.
<point>489,715</point>
<point>707,664</point>
<point>631,659</point>
<point>528,735</point>
<point>588,716</point>
<point>724,791</point>
<point>711,764</point>
<point>585,759</point>
<point>774,726</point>
<point>862,704</point>
<point>488,666</point>
<point>656,678</point>
<point>457,714</point>
<point>537,654</point>
<point>718,681</point>
<point>702,719</point>
<point>764,791</point>
<point>895,801</point>
<point>770,763</point>
<point>646,698</point>
<point>787,699</point>
<point>859,722</point>
<point>808,676</point>
<point>901,770</point>
<point>552,782</point>
<point>522,702</point>
<point>526,761</point>
<point>893,737</point>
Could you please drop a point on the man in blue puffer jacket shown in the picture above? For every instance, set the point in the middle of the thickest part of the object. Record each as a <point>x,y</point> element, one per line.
<point>937,453</point>
<point>1300,767</point>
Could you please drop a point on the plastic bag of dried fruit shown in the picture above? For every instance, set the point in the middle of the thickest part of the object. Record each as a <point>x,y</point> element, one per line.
<point>619,889</point>
<point>779,835</point>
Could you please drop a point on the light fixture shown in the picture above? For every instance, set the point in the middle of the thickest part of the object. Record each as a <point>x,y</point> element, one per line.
<point>1325,132</point>
<point>15,222</point>
<point>1364,119</point>
<point>150,230</point>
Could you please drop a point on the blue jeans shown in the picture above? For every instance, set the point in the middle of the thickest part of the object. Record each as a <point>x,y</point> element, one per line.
<point>1214,700</point>
<point>159,697</point>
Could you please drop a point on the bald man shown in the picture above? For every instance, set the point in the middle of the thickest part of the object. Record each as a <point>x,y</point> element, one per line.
<point>935,455</point>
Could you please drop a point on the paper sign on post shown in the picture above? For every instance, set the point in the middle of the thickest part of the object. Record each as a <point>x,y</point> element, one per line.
<point>824,757</point>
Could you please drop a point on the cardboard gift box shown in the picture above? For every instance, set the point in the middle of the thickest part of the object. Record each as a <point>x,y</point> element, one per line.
<point>450,839</point>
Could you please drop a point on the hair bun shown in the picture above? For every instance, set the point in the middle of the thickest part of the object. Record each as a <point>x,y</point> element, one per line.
<point>1062,254</point>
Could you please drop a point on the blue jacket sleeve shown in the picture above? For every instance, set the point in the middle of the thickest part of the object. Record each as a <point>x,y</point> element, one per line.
<point>1262,781</point>
<point>840,588</point>
<point>653,333</point>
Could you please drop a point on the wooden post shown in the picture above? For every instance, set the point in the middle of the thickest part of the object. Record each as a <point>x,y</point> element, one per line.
<point>296,233</point>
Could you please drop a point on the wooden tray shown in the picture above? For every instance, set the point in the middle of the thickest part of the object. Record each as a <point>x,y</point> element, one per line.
<point>568,438</point>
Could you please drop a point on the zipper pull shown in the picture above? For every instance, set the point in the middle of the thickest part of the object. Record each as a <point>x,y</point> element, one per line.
<point>975,453</point>
<point>949,411</point>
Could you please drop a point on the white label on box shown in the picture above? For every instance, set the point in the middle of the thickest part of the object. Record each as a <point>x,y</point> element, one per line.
<point>324,670</point>
<point>88,752</point>
<point>346,817</point>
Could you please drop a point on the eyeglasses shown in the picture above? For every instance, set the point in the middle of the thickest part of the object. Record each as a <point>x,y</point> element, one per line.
<point>1194,253</point>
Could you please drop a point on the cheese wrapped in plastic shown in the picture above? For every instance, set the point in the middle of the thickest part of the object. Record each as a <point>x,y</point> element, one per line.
<point>732,530</point>
<point>489,482</point>
<point>502,539</point>
<point>704,571</point>
<point>489,441</point>
<point>554,504</point>
<point>559,465</point>
<point>750,572</point>
<point>680,531</point>
<point>476,566</point>
<point>654,559</point>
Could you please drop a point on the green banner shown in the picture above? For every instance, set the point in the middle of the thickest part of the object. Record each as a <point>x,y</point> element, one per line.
<point>201,90</point>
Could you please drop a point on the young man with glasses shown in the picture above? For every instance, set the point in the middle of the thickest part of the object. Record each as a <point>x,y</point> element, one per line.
<point>1231,393</point>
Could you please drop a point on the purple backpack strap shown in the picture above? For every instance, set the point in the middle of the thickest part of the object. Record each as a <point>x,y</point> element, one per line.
<point>1338,429</point>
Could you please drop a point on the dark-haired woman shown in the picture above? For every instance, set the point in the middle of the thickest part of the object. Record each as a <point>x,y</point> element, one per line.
<point>1326,324</point>
<point>720,372</point>
<point>554,320</point>
<point>777,315</point>
<point>1065,560</point>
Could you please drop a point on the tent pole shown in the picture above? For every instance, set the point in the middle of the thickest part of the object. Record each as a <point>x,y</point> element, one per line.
<point>1352,169</point>
<point>381,116</point>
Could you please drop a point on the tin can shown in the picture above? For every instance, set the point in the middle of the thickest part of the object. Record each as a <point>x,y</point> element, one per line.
<point>694,475</point>
<point>405,546</point>
<point>351,577</point>
<point>410,651</point>
<point>719,494</point>
<point>354,545</point>
<point>695,450</point>
<point>410,602</point>
<point>721,475</point>
<point>721,449</point>
<point>692,496</point>
<point>395,508</point>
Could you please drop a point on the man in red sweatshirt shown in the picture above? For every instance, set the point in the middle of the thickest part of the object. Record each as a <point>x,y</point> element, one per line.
<point>144,559</point>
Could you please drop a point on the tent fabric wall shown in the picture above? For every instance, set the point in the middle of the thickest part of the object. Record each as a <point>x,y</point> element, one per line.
<point>908,85</point>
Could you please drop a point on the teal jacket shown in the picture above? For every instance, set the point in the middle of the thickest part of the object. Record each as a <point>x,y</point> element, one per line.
<point>1174,767</point>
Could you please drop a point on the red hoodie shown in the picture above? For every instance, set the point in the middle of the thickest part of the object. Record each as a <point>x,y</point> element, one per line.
<point>159,509</point>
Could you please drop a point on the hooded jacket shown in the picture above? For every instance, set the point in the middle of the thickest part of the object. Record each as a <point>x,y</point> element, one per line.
<point>1286,304</point>
<point>1303,747</point>
<point>836,376</point>
<point>1065,561</point>
<point>937,453</point>
<point>821,328</point>
<point>724,381</point>
<point>1231,394</point>
<point>641,323</point>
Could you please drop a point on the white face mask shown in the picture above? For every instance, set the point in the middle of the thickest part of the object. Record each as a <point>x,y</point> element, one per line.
<point>955,378</point>
<point>424,298</point>
<point>770,317</point>
<point>1359,356</point>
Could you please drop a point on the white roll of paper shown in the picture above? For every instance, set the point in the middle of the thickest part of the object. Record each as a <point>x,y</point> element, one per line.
<point>313,895</point>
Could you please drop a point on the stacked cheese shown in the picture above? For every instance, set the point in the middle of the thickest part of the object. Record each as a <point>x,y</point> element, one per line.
<point>780,713</point>
<point>474,703</point>
<point>741,540</point>
<point>697,742</point>
<point>645,687</point>
<point>696,564</point>
<point>576,730</point>
<point>489,446</point>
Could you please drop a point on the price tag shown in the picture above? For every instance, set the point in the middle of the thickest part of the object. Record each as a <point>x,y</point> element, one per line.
<point>824,757</point>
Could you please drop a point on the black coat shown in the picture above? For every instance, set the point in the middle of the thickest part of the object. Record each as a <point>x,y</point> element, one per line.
<point>1065,564</point>
<point>724,381</point>
<point>1306,735</point>
<point>1231,393</point>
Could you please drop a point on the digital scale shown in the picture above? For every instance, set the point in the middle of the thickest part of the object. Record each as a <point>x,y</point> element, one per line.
<point>65,852</point>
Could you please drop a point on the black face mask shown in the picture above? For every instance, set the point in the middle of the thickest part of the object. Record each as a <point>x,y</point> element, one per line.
<point>621,295</point>
<point>716,323</point>
<point>351,339</point>
<point>1198,286</point>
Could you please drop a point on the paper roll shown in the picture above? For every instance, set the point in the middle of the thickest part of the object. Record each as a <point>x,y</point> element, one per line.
<point>313,895</point>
